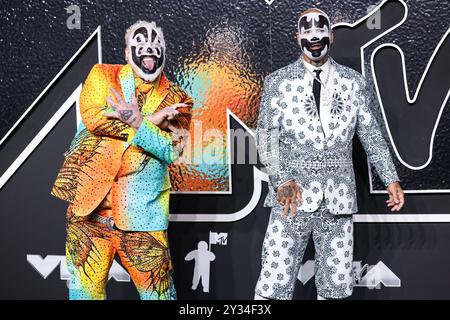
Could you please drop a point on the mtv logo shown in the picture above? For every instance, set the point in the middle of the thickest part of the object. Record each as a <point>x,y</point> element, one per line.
<point>373,276</point>
<point>218,238</point>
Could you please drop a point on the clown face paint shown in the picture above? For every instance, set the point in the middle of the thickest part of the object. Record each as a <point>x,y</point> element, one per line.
<point>314,33</point>
<point>145,49</point>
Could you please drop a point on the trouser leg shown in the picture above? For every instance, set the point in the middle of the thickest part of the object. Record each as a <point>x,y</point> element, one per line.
<point>333,241</point>
<point>89,255</point>
<point>283,248</point>
<point>146,257</point>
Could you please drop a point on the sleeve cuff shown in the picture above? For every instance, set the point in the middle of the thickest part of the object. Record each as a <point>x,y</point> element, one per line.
<point>387,183</point>
<point>278,180</point>
<point>152,139</point>
<point>285,183</point>
<point>145,132</point>
<point>141,134</point>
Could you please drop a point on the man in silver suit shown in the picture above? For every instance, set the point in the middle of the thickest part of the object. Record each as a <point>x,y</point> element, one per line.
<point>310,111</point>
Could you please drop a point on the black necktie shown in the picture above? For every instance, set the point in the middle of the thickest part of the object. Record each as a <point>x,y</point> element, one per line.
<point>316,89</point>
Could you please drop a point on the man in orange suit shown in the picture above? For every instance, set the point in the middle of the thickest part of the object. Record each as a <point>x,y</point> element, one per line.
<point>115,175</point>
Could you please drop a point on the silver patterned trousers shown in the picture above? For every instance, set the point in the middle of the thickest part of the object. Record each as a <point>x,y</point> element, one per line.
<point>285,243</point>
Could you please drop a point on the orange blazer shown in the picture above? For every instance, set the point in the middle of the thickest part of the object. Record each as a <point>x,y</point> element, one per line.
<point>106,155</point>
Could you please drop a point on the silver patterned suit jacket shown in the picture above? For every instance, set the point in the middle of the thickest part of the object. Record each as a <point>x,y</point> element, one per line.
<point>292,144</point>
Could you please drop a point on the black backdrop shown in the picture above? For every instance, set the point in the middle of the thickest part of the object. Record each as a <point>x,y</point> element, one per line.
<point>408,256</point>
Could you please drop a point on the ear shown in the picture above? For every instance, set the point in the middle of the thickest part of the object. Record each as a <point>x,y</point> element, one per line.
<point>127,54</point>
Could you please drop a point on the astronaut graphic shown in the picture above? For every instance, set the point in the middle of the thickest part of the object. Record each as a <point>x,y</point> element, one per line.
<point>202,258</point>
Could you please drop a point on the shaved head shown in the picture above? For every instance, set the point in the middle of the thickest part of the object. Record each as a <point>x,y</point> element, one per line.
<point>311,10</point>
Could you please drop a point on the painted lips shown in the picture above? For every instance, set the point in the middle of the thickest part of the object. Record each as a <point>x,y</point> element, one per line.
<point>316,46</point>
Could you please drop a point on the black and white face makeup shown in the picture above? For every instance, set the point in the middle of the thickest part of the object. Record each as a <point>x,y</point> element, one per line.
<point>314,35</point>
<point>145,49</point>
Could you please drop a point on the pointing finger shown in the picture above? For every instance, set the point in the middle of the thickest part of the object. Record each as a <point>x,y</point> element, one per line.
<point>286,206</point>
<point>111,114</point>
<point>178,105</point>
<point>111,103</point>
<point>134,99</point>
<point>294,204</point>
<point>117,95</point>
<point>300,196</point>
<point>172,128</point>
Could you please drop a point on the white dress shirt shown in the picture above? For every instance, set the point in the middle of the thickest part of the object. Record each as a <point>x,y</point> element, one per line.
<point>324,110</point>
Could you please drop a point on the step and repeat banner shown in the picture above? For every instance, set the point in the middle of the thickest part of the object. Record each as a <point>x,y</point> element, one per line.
<point>220,53</point>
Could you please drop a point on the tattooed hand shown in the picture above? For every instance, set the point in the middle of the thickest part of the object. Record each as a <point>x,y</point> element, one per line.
<point>396,196</point>
<point>126,112</point>
<point>287,195</point>
<point>163,117</point>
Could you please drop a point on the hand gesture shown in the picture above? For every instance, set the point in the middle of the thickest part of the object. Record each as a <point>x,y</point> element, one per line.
<point>287,195</point>
<point>163,117</point>
<point>396,196</point>
<point>126,112</point>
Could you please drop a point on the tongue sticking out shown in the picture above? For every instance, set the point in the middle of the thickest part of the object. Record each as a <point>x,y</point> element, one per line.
<point>148,63</point>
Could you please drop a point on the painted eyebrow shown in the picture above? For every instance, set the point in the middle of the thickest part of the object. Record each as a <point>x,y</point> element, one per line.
<point>141,30</point>
<point>153,35</point>
<point>323,21</point>
<point>303,23</point>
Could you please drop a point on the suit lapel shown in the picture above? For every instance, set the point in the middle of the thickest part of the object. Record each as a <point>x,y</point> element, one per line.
<point>333,98</point>
<point>329,97</point>
<point>126,79</point>
<point>311,101</point>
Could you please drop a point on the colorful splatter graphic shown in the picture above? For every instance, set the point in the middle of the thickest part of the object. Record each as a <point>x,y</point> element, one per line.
<point>218,76</point>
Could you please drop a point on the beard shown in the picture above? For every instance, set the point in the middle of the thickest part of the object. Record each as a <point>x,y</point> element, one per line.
<point>315,50</point>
